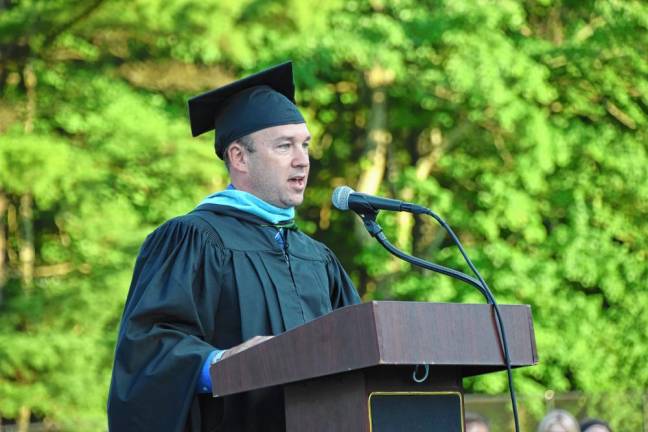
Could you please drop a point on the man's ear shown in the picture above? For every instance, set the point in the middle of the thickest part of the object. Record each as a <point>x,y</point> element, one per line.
<point>237,157</point>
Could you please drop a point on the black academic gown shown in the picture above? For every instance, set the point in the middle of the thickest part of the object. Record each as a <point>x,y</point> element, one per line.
<point>213,278</point>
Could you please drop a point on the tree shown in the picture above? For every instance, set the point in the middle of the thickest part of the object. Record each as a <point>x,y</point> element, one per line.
<point>523,123</point>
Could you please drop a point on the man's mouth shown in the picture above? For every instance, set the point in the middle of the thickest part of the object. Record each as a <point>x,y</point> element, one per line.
<point>298,181</point>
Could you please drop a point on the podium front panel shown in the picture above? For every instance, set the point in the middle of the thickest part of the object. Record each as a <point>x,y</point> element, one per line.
<point>416,411</point>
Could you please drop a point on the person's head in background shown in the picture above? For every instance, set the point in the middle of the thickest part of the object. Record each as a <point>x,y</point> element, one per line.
<point>558,421</point>
<point>476,423</point>
<point>594,425</point>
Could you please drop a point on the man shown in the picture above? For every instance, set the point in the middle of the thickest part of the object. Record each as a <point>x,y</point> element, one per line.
<point>558,420</point>
<point>233,269</point>
<point>476,423</point>
<point>594,425</point>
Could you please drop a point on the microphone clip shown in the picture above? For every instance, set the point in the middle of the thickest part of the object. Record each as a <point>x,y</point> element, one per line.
<point>369,221</point>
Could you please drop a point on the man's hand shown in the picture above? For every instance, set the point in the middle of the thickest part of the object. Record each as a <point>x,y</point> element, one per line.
<point>245,345</point>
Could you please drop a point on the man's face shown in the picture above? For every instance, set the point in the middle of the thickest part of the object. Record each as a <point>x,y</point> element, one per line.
<point>278,168</point>
<point>476,426</point>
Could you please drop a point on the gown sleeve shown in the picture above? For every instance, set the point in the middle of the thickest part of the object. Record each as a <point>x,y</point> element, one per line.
<point>342,290</point>
<point>161,345</point>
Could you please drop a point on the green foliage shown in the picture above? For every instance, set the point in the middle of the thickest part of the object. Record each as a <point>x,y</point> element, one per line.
<point>523,123</point>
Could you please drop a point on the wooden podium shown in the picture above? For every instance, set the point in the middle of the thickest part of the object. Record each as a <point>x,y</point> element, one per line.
<point>352,370</point>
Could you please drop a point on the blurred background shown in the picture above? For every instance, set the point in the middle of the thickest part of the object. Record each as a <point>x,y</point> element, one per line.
<point>522,122</point>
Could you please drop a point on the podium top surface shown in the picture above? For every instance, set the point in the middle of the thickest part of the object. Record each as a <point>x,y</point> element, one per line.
<point>381,334</point>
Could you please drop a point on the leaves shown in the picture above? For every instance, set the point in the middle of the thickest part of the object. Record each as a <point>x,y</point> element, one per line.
<point>521,122</point>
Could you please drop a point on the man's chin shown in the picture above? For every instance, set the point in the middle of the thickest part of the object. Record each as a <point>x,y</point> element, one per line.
<point>293,201</point>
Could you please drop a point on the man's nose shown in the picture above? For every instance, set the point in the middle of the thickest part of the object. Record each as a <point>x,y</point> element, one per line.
<point>300,156</point>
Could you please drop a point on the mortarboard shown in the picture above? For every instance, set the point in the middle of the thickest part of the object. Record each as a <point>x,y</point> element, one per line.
<point>256,102</point>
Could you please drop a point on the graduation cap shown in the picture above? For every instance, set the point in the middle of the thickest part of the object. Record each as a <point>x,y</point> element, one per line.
<point>256,102</point>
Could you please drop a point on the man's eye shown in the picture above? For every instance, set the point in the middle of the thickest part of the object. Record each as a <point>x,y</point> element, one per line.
<point>306,145</point>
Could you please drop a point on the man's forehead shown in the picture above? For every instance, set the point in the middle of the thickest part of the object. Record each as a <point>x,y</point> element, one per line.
<point>288,132</point>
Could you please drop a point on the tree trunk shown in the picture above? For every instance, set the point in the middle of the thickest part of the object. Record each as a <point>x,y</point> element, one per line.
<point>374,161</point>
<point>29,80</point>
<point>378,137</point>
<point>433,145</point>
<point>12,236</point>
<point>3,249</point>
<point>27,253</point>
<point>23,419</point>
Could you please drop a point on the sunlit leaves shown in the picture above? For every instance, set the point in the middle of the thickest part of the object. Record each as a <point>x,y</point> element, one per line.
<point>523,123</point>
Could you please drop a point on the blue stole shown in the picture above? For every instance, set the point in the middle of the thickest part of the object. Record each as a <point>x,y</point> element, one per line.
<point>249,203</point>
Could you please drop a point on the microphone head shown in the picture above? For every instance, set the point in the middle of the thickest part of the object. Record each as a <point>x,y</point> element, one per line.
<point>340,198</point>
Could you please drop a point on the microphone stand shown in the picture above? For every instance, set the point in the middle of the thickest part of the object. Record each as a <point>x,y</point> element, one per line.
<point>376,231</point>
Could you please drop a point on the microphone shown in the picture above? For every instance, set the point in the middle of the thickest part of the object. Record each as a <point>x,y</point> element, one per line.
<point>345,198</point>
